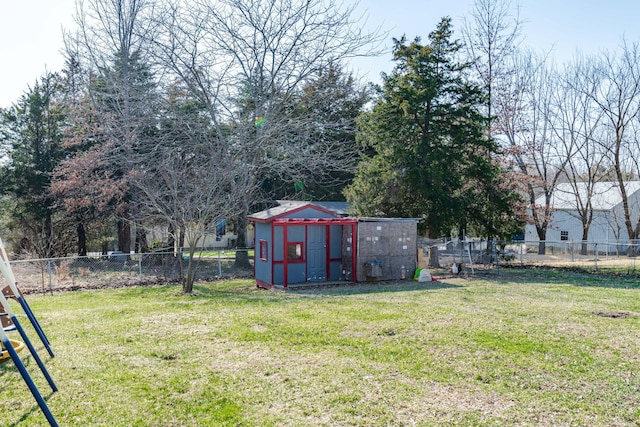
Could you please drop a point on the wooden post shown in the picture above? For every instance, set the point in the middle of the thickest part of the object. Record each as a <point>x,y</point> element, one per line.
<point>434,257</point>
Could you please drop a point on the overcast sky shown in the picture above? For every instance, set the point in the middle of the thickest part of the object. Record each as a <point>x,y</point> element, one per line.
<point>31,31</point>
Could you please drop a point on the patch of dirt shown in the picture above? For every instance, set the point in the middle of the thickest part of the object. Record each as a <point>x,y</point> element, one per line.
<point>614,314</point>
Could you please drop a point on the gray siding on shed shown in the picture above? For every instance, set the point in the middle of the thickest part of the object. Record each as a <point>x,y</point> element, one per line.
<point>392,243</point>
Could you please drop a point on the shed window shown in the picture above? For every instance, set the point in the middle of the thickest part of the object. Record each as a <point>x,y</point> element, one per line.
<point>294,251</point>
<point>564,235</point>
<point>264,250</point>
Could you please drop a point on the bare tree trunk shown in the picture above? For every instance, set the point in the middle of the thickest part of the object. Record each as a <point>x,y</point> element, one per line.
<point>187,282</point>
<point>542,247</point>
<point>141,240</point>
<point>542,241</point>
<point>242,256</point>
<point>124,236</point>
<point>48,229</point>
<point>82,238</point>
<point>181,238</point>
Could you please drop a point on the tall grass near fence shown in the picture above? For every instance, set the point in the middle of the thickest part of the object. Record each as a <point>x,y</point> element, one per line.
<point>483,255</point>
<point>116,270</point>
<point>526,347</point>
<point>475,256</point>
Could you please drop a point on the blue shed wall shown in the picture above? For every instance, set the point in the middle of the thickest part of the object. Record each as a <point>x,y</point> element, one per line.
<point>335,248</point>
<point>296,270</point>
<point>325,245</point>
<point>278,255</point>
<point>278,244</point>
<point>263,268</point>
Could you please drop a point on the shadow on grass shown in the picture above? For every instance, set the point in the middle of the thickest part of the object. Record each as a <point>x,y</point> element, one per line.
<point>248,288</point>
<point>31,411</point>
<point>9,368</point>
<point>372,287</point>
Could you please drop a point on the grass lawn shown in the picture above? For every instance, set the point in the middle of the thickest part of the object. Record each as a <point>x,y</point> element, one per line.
<point>527,347</point>
<point>222,253</point>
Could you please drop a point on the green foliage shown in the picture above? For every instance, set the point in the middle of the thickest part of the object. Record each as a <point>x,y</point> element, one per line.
<point>428,152</point>
<point>31,132</point>
<point>331,103</point>
<point>323,116</point>
<point>113,114</point>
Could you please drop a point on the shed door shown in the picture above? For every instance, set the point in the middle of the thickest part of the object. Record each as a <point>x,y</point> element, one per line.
<point>317,254</point>
<point>347,254</point>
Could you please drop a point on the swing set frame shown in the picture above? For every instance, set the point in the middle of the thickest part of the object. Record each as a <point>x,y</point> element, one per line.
<point>12,347</point>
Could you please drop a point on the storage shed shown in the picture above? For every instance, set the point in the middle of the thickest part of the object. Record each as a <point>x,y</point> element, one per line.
<point>302,242</point>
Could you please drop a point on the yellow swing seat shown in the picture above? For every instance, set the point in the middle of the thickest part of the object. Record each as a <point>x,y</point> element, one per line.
<point>18,346</point>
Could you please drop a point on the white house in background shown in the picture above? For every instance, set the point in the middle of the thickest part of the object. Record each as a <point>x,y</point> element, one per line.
<point>608,214</point>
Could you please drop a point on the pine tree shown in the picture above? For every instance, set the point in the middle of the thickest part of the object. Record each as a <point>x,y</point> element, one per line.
<point>32,131</point>
<point>430,156</point>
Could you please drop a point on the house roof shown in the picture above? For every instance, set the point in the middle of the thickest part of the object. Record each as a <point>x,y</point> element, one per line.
<point>604,195</point>
<point>339,208</point>
<point>288,207</point>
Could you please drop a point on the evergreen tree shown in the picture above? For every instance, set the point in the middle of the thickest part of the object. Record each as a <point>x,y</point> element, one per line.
<point>430,154</point>
<point>31,131</point>
<point>114,118</point>
<point>324,113</point>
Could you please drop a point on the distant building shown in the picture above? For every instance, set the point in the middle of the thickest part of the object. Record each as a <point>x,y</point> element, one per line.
<point>608,214</point>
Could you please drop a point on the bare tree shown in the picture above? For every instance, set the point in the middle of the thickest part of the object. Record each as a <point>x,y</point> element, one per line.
<point>247,61</point>
<point>184,178</point>
<point>492,37</point>
<point>527,120</point>
<point>110,46</point>
<point>579,133</point>
<point>617,96</point>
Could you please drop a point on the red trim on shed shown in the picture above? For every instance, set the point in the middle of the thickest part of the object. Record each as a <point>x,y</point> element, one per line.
<point>293,211</point>
<point>285,222</point>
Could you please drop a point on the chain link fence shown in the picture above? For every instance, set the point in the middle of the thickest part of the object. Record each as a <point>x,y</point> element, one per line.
<point>472,256</point>
<point>489,256</point>
<point>118,269</point>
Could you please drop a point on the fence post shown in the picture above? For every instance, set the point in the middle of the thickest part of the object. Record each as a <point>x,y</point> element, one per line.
<point>219,264</point>
<point>571,249</point>
<point>50,276</point>
<point>140,265</point>
<point>469,253</point>
<point>521,254</point>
